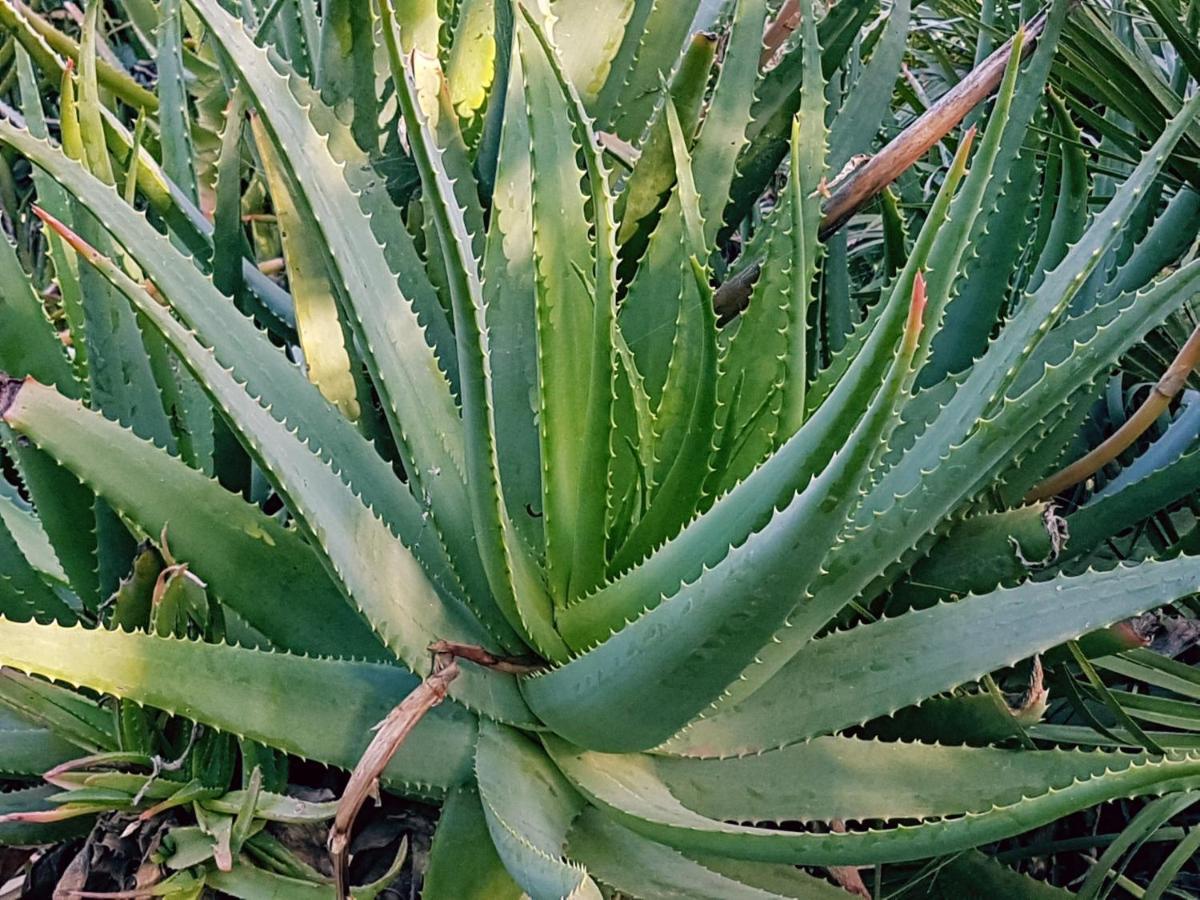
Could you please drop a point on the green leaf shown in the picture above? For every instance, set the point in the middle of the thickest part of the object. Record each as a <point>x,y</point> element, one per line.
<point>252,694</point>
<point>463,863</point>
<point>723,129</point>
<point>385,323</point>
<point>529,807</point>
<point>174,123</point>
<point>327,359</point>
<point>376,570</point>
<point>511,315</point>
<point>27,749</point>
<point>629,789</point>
<point>654,36</point>
<point>850,679</point>
<point>638,867</point>
<point>589,35</point>
<point>674,659</point>
<point>261,570</point>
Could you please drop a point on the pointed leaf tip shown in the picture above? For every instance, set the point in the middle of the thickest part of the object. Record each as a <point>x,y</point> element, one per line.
<point>916,310</point>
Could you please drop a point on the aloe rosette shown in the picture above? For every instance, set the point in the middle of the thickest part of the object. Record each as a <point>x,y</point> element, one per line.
<point>520,428</point>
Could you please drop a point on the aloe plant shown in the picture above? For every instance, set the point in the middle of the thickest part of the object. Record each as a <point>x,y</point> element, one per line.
<point>693,575</point>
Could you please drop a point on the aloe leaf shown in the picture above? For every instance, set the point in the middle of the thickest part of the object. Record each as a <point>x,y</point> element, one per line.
<point>24,593</point>
<point>471,65</point>
<point>565,311</point>
<point>22,522</point>
<point>28,344</point>
<point>45,44</point>
<point>587,541</point>
<point>629,789</point>
<point>64,712</point>
<point>654,36</point>
<point>849,681</point>
<point>247,352</point>
<point>510,310</point>
<point>746,508</point>
<point>529,807</point>
<point>723,129</point>
<point>463,863</point>
<point>648,185</point>
<point>178,153</point>
<point>519,594</point>
<point>345,65</point>
<point>685,419</point>
<point>375,569</point>
<point>778,311</point>
<point>857,122</point>
<point>246,692</point>
<point>668,664</point>
<point>28,749</point>
<point>52,197</point>
<point>854,779</point>
<point>26,834</point>
<point>402,363</point>
<point>588,36</point>
<point>778,99</point>
<point>628,862</point>
<point>229,542</point>
<point>1021,405</point>
<point>326,356</point>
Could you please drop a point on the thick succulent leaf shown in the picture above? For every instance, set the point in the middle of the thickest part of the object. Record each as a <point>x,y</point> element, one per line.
<point>346,65</point>
<point>628,862</point>
<point>26,529</point>
<point>684,422</point>
<point>529,807</point>
<point>565,309</point>
<point>853,779</point>
<point>26,834</point>
<point>649,52</point>
<point>178,152</point>
<point>69,715</point>
<point>849,678</point>
<point>630,789</point>
<point>588,36</point>
<point>326,357</point>
<point>245,351</point>
<point>28,344</point>
<point>746,508</point>
<point>911,499</point>
<point>769,348</point>
<point>252,693</point>
<point>376,570</point>
<point>649,184</point>
<point>471,66</point>
<point>261,570</point>
<point>857,122</point>
<point>385,323</point>
<point>679,656</point>
<point>28,749</point>
<point>973,871</point>
<point>510,310</point>
<point>24,592</point>
<point>590,456</point>
<point>463,863</point>
<point>519,593</point>
<point>723,129</point>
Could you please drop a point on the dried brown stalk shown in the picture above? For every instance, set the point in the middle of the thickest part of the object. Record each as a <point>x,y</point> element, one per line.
<point>364,780</point>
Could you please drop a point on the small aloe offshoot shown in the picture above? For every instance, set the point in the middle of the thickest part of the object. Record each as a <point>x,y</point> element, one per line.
<point>611,573</point>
